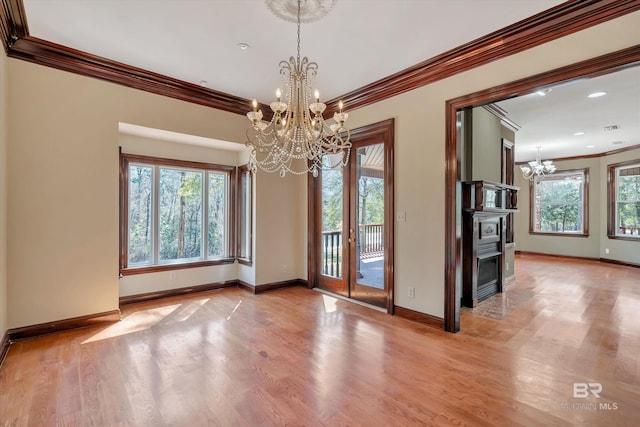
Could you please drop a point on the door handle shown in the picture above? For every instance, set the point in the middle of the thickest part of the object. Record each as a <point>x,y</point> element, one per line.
<point>352,240</point>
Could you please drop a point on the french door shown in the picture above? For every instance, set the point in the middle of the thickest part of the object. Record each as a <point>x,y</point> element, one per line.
<point>353,221</point>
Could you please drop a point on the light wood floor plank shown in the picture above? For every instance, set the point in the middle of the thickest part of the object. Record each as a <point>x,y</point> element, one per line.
<point>297,357</point>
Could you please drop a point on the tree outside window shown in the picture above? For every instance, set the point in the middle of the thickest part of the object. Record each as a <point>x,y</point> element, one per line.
<point>175,213</point>
<point>624,200</point>
<point>559,203</point>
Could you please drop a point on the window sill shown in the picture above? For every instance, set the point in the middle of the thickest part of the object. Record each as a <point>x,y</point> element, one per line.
<point>245,261</point>
<point>535,233</point>
<point>629,238</point>
<point>177,266</point>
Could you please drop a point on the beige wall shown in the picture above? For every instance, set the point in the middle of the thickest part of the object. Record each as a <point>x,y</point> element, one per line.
<point>63,198</point>
<point>588,247</point>
<point>487,146</point>
<point>278,254</point>
<point>621,250</point>
<point>3,191</point>
<point>596,244</point>
<point>420,156</point>
<point>152,282</point>
<point>63,175</point>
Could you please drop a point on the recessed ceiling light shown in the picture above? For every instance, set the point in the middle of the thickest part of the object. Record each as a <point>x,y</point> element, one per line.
<point>204,83</point>
<point>612,127</point>
<point>243,46</point>
<point>596,94</point>
<point>591,146</point>
<point>578,133</point>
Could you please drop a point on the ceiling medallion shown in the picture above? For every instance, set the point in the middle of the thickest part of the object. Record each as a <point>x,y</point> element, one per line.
<point>310,10</point>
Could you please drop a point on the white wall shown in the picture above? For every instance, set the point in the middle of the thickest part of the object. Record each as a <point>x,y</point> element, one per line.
<point>420,142</point>
<point>3,191</point>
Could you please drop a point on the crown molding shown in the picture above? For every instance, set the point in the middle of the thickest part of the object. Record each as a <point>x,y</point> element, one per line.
<point>554,23</point>
<point>589,156</point>
<point>551,24</point>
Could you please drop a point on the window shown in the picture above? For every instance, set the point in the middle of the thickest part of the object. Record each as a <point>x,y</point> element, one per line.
<point>175,214</point>
<point>244,215</point>
<point>559,204</point>
<point>623,193</point>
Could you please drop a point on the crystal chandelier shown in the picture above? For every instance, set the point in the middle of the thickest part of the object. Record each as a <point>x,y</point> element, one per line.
<point>297,139</point>
<point>537,167</point>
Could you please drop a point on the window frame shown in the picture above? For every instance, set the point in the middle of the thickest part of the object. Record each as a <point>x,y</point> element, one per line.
<point>585,206</point>
<point>612,200</point>
<point>245,176</point>
<point>127,159</point>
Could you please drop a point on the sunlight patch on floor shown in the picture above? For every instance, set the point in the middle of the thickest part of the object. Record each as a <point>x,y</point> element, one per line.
<point>329,303</point>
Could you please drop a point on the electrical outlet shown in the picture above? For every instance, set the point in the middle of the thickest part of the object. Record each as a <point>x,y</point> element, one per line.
<point>285,268</point>
<point>606,250</point>
<point>507,266</point>
<point>401,216</point>
<point>412,292</point>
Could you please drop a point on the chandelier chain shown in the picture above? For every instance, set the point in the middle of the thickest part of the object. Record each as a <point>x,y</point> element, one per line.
<point>299,31</point>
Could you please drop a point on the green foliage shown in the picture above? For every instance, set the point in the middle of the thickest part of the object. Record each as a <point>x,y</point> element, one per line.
<point>332,200</point>
<point>215,230</point>
<point>559,204</point>
<point>140,190</point>
<point>180,214</point>
<point>628,201</point>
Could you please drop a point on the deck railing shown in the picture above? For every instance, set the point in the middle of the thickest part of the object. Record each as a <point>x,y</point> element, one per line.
<point>630,229</point>
<point>371,240</point>
<point>371,244</point>
<point>332,253</point>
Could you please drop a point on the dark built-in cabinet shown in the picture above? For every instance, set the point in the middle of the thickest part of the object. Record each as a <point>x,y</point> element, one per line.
<point>486,206</point>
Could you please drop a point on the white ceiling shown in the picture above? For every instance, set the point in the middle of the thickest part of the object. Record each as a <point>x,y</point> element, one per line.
<point>357,43</point>
<point>551,121</point>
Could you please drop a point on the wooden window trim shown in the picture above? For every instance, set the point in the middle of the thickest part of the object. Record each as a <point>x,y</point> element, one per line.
<point>585,207</point>
<point>125,161</point>
<point>611,201</point>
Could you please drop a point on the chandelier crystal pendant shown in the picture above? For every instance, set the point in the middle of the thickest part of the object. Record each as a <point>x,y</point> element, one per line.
<point>537,167</point>
<point>297,140</point>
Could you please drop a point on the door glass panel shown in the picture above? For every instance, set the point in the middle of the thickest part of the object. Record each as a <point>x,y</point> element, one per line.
<point>370,216</point>
<point>332,215</point>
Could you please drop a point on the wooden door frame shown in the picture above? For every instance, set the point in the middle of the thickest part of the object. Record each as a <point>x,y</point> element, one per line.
<point>594,67</point>
<point>384,131</point>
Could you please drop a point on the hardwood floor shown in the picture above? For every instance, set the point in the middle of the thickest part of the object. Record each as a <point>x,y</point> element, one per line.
<point>298,357</point>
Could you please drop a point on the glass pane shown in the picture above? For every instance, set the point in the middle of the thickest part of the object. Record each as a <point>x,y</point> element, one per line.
<point>370,216</point>
<point>180,212</point>
<point>140,214</point>
<point>558,204</point>
<point>628,218</point>
<point>244,215</point>
<point>332,211</point>
<point>217,214</point>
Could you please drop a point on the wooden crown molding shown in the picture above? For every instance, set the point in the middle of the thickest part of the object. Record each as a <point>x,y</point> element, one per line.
<point>546,26</point>
<point>549,25</point>
<point>591,156</point>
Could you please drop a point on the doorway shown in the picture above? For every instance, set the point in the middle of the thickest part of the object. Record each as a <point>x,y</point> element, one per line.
<point>455,152</point>
<point>351,221</point>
